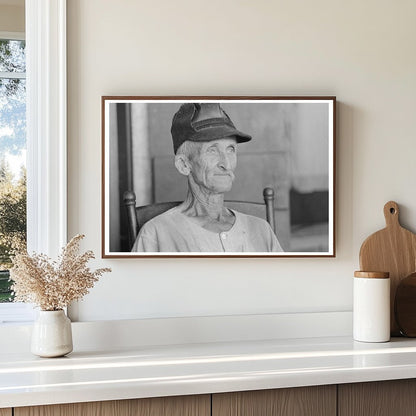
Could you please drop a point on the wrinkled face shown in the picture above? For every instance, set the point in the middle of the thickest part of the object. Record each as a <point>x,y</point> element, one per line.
<point>212,165</point>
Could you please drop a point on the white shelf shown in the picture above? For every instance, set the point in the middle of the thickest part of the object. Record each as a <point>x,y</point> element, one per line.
<point>150,371</point>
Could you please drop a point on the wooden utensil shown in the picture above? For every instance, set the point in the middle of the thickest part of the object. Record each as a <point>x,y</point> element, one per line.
<point>393,250</point>
<point>405,306</point>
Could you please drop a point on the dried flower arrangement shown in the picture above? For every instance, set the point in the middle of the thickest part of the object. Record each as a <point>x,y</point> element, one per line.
<point>52,285</point>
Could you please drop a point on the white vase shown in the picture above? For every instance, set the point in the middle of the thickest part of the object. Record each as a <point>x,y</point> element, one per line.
<point>52,334</point>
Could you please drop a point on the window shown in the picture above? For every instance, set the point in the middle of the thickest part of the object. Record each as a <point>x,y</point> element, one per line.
<point>12,155</point>
<point>46,135</point>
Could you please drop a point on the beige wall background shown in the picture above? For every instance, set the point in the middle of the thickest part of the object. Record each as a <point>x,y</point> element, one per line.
<point>12,16</point>
<point>362,52</point>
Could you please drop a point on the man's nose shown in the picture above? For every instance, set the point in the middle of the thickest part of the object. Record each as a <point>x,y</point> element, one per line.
<point>224,161</point>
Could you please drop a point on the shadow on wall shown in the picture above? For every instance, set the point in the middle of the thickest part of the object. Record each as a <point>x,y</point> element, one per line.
<point>277,157</point>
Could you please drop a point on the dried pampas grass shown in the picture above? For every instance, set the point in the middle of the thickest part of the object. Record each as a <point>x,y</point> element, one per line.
<point>52,285</point>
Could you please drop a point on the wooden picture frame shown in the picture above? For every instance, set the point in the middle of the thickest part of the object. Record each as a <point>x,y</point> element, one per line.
<point>291,154</point>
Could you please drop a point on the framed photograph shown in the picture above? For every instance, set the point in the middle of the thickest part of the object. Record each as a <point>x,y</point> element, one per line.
<point>218,177</point>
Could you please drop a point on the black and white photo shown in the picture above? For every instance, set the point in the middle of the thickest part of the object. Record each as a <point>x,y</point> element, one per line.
<point>218,176</point>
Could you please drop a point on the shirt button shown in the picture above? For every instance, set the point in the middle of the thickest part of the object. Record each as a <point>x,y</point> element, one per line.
<point>223,236</point>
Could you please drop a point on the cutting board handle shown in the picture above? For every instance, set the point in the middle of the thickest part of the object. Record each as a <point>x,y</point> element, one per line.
<point>391,214</point>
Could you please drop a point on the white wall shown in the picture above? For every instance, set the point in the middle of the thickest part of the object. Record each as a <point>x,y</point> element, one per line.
<point>361,51</point>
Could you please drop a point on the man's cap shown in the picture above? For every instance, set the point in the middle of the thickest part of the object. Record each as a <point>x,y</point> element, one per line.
<point>201,122</point>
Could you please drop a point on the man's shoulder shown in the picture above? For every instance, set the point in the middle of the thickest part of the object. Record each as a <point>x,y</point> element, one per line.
<point>260,229</point>
<point>169,216</point>
<point>154,231</point>
<point>252,219</point>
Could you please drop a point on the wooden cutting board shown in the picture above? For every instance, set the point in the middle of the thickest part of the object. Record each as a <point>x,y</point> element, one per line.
<point>393,250</point>
<point>405,306</point>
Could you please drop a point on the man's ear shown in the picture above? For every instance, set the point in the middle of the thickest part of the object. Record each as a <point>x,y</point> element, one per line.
<point>182,164</point>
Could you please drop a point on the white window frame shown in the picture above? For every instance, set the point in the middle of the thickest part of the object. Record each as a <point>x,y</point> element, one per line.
<point>12,35</point>
<point>46,125</point>
<point>46,134</point>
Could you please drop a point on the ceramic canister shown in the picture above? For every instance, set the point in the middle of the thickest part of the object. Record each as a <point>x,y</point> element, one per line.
<point>371,306</point>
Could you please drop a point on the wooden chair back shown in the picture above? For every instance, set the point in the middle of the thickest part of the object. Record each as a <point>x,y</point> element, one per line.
<point>138,216</point>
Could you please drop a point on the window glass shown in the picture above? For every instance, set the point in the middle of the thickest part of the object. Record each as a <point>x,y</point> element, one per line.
<point>12,55</point>
<point>12,156</point>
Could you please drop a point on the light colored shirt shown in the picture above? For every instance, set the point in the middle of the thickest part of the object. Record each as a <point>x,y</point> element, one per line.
<point>173,231</point>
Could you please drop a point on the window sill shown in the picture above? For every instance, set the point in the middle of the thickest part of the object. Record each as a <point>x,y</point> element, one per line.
<point>16,313</point>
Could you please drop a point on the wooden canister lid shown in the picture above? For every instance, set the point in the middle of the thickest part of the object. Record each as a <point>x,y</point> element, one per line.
<point>372,275</point>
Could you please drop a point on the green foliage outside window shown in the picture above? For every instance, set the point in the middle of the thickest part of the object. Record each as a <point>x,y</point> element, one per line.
<point>12,223</point>
<point>5,292</point>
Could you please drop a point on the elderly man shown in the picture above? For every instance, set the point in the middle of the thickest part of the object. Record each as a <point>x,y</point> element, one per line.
<point>205,145</point>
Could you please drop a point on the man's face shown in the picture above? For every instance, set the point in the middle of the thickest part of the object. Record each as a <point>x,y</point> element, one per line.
<point>212,167</point>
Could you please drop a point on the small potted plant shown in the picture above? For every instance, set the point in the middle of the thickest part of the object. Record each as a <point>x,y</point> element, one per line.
<point>52,286</point>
